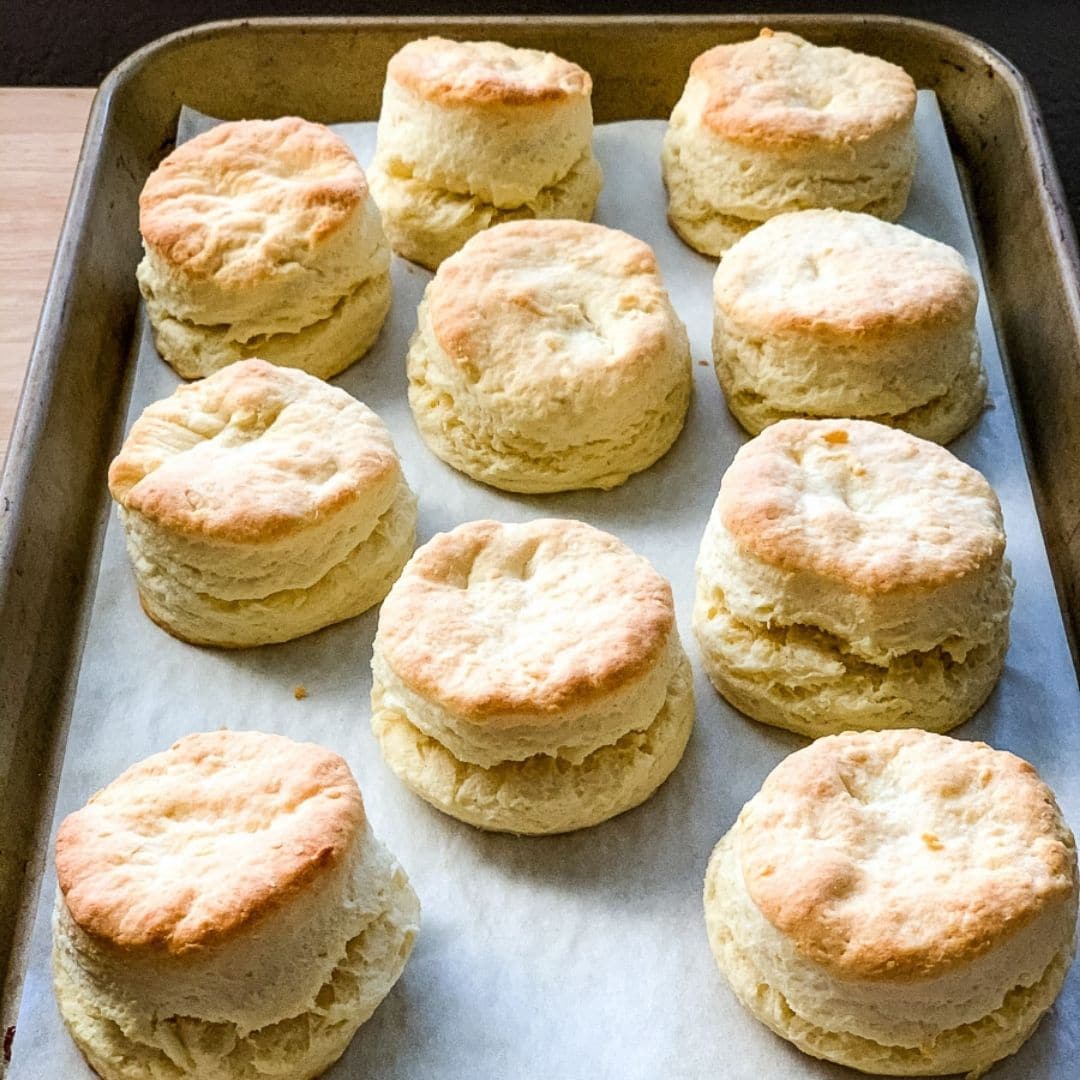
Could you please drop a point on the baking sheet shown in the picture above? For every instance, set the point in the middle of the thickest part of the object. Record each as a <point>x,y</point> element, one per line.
<point>583,955</point>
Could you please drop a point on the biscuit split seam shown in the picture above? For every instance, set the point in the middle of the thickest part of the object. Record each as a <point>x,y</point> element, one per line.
<point>529,678</point>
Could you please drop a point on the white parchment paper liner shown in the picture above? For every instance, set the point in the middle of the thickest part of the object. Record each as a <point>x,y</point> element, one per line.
<point>583,956</point>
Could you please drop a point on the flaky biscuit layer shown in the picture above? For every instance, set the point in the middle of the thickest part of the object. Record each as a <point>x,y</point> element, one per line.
<point>542,794</point>
<point>427,223</point>
<point>261,503</point>
<point>940,419</point>
<point>194,611</point>
<point>315,970</point>
<point>323,347</point>
<point>256,232</point>
<point>897,901</point>
<point>828,313</point>
<point>777,124</point>
<point>808,681</point>
<point>548,356</point>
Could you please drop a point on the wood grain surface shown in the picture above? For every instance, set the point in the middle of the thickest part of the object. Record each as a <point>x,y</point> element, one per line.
<point>41,130</point>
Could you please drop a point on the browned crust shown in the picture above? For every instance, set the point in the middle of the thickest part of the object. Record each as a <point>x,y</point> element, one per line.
<point>803,837</point>
<point>462,73</point>
<point>429,627</point>
<point>940,311</point>
<point>479,310</point>
<point>883,285</point>
<point>754,93</point>
<point>133,879</point>
<point>185,497</point>
<point>325,189</point>
<point>761,500</point>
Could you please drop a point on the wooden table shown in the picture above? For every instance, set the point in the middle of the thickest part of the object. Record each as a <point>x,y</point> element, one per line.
<point>40,134</point>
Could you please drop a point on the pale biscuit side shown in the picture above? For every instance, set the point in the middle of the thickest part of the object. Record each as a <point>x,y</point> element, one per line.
<point>427,224</point>
<point>194,611</point>
<point>303,288</point>
<point>324,348</point>
<point>545,793</point>
<point>570,733</point>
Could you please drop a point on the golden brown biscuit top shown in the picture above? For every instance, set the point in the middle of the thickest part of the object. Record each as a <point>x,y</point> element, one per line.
<point>830,272</point>
<point>253,453</point>
<point>485,73</point>
<point>778,89</point>
<point>247,197</point>
<point>895,855</point>
<point>494,619</point>
<point>536,303</point>
<point>856,502</point>
<point>194,844</point>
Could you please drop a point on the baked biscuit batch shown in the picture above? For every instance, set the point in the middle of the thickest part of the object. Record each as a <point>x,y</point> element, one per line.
<point>892,899</point>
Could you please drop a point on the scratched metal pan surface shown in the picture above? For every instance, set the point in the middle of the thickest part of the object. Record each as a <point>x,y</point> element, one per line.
<point>71,416</point>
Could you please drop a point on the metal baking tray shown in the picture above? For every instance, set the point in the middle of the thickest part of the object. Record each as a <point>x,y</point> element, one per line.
<point>69,422</point>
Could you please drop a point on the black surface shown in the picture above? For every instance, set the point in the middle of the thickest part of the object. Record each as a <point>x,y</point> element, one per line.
<point>77,42</point>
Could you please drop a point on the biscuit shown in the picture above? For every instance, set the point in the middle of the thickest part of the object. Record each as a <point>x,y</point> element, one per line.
<point>548,357</point>
<point>262,240</point>
<point>225,913</point>
<point>261,504</point>
<point>898,902</point>
<point>852,576</point>
<point>476,133</point>
<point>829,313</point>
<point>529,678</point>
<point>777,124</point>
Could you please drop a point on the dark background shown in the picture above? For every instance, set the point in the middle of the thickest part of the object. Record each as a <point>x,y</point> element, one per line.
<point>76,42</point>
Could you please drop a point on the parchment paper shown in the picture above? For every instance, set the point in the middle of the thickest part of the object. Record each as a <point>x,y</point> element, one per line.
<point>585,955</point>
